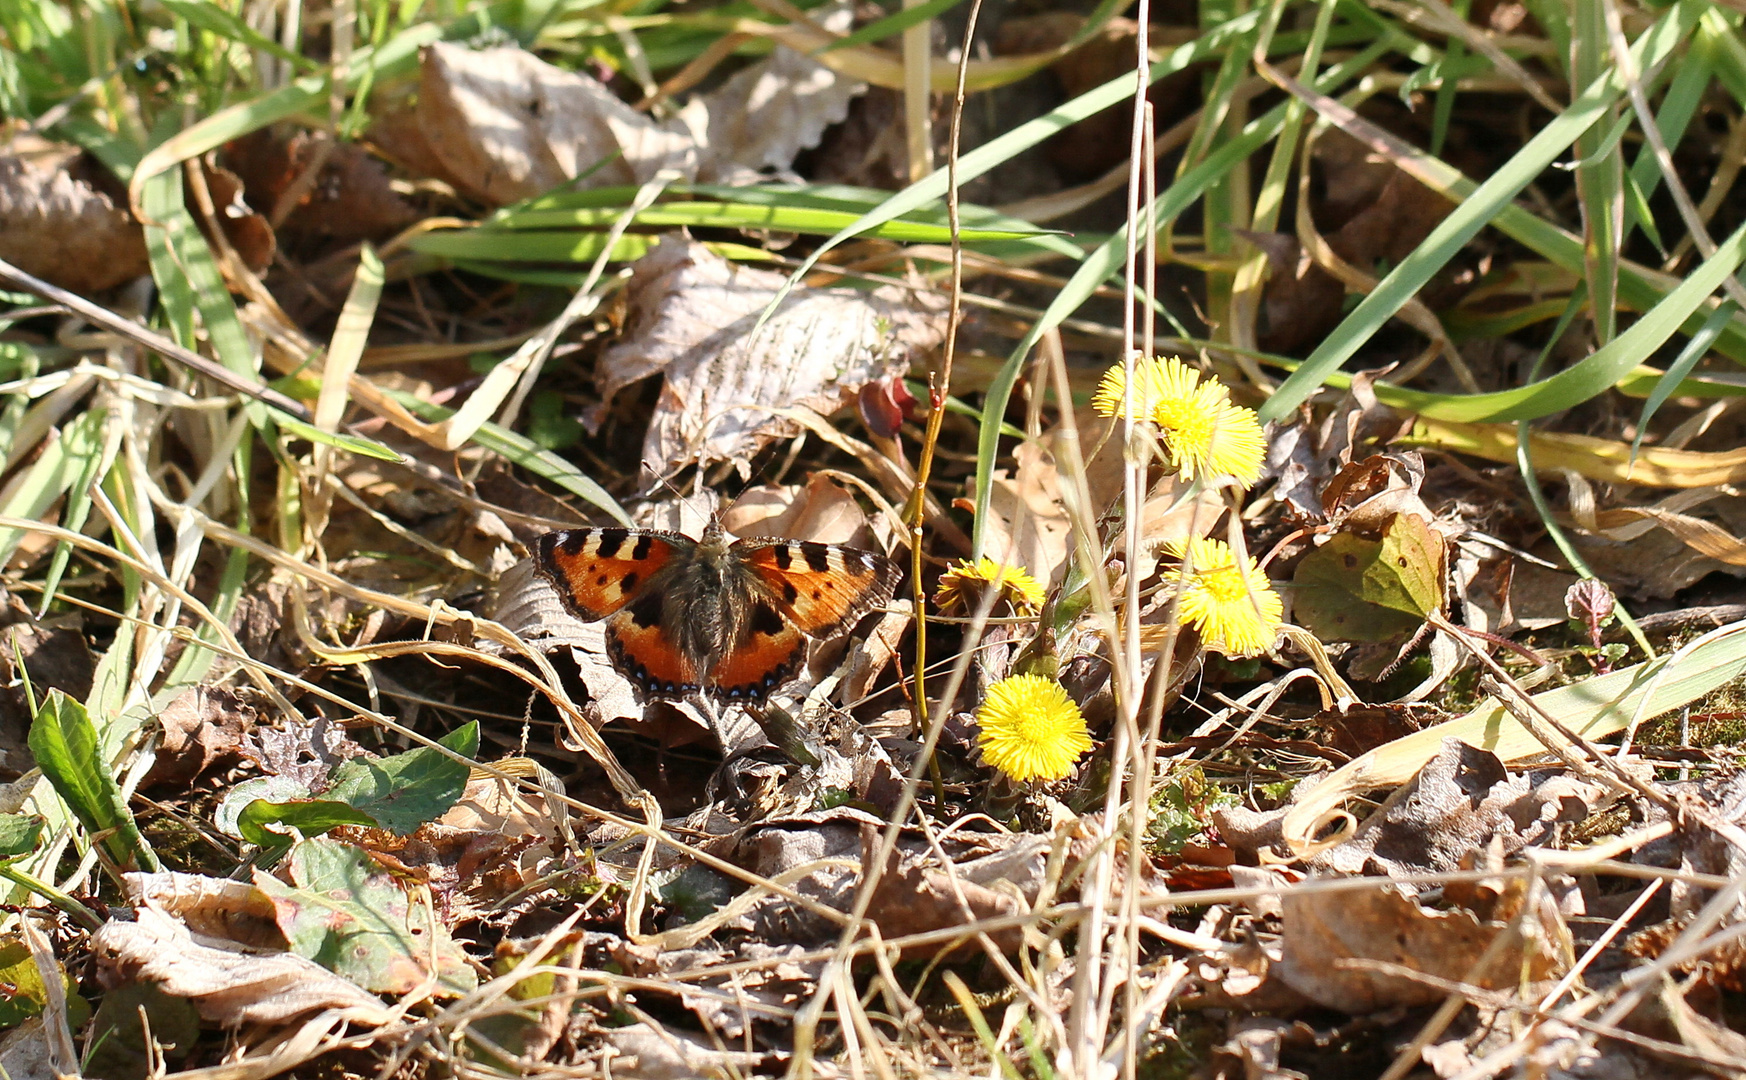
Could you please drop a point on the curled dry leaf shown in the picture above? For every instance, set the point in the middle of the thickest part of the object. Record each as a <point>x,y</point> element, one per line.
<point>1356,950</point>
<point>646,1053</point>
<point>228,988</point>
<point>692,319</point>
<point>505,125</point>
<point>1028,525</point>
<point>224,912</point>
<point>203,726</point>
<point>349,200</point>
<point>56,225</point>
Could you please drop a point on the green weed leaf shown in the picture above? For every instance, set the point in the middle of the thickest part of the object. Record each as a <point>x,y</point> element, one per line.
<point>65,745</point>
<point>346,912</point>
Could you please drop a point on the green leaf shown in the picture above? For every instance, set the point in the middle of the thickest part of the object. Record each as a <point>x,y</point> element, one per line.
<point>405,791</point>
<point>1354,589</point>
<point>345,911</point>
<point>25,993</point>
<point>310,817</point>
<point>19,834</point>
<point>399,793</point>
<point>65,745</point>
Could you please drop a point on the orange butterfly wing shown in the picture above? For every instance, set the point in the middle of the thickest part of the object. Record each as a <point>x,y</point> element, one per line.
<point>639,646</point>
<point>598,571</point>
<point>768,656</point>
<point>821,589</point>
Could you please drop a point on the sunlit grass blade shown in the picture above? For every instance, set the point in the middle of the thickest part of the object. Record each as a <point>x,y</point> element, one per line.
<point>1479,209</point>
<point>1682,366</point>
<point>524,452</point>
<point>1009,145</point>
<point>395,57</point>
<point>1106,260</point>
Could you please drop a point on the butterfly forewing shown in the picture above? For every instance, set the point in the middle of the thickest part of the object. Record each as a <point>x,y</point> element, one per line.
<point>598,571</point>
<point>820,588</point>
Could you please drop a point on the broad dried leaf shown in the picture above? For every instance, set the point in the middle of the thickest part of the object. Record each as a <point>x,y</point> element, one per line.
<point>217,908</point>
<point>346,911</point>
<point>693,320</point>
<point>229,988</point>
<point>203,726</point>
<point>1328,935</point>
<point>58,227</point>
<point>351,198</point>
<point>508,126</point>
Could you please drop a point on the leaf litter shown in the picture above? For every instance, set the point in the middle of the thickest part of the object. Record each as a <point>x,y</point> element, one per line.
<point>308,769</point>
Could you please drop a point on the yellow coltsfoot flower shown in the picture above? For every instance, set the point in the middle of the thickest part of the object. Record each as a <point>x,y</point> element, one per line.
<point>1204,433</point>
<point>962,587</point>
<point>1233,606</point>
<point>1031,729</point>
<point>1156,379</point>
<point>1208,436</point>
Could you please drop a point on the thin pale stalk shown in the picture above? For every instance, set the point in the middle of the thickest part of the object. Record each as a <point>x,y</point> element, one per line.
<point>1087,1021</point>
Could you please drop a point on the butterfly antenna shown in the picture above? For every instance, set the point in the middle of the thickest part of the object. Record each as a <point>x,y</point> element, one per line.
<point>668,484</point>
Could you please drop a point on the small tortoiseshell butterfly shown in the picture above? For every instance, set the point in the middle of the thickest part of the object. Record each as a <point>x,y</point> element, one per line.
<point>685,616</point>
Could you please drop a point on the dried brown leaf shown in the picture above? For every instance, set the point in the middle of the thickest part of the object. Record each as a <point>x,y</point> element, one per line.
<point>507,126</point>
<point>692,320</point>
<point>228,988</point>
<point>60,227</point>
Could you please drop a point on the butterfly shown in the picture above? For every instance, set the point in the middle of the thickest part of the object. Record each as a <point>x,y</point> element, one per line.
<point>729,620</point>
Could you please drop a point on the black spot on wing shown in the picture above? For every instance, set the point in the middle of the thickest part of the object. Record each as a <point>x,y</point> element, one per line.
<point>818,557</point>
<point>629,583</point>
<point>645,544</point>
<point>784,556</point>
<point>610,540</point>
<point>765,621</point>
<point>646,611</point>
<point>789,593</point>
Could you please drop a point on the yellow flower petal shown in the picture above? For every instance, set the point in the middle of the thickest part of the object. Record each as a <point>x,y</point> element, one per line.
<point>961,587</point>
<point>1206,435</point>
<point>1155,379</point>
<point>1233,607</point>
<point>1031,730</point>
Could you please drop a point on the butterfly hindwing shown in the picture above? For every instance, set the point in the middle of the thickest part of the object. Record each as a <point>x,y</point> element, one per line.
<point>640,647</point>
<point>769,654</point>
<point>820,588</point>
<point>598,571</point>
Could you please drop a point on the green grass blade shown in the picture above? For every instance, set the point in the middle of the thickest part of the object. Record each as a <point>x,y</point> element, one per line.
<point>1599,172</point>
<point>1484,205</point>
<point>1603,368</point>
<point>1021,138</point>
<point>215,19</point>
<point>1681,367</point>
<point>524,452</point>
<point>54,472</point>
<point>1106,260</point>
<point>397,57</point>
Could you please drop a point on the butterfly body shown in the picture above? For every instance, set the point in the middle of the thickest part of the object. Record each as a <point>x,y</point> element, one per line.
<point>729,619</point>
